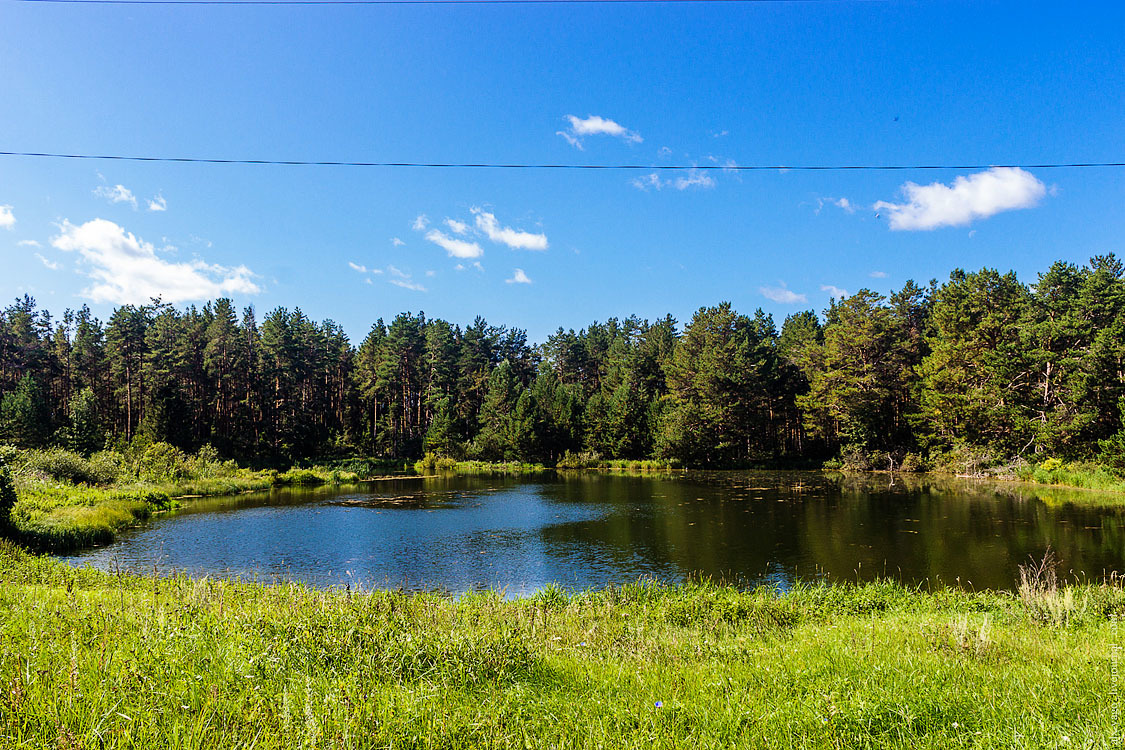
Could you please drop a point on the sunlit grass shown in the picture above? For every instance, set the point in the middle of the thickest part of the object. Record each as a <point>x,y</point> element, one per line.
<point>100,660</point>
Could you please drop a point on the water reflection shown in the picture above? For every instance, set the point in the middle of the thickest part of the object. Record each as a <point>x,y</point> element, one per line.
<point>583,530</point>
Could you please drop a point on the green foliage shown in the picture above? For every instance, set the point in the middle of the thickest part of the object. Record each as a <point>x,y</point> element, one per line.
<point>981,364</point>
<point>7,497</point>
<point>25,418</point>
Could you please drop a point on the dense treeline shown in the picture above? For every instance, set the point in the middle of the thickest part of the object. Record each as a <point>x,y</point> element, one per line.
<point>982,368</point>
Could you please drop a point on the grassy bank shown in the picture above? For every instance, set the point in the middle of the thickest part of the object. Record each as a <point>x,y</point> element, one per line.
<point>98,660</point>
<point>67,501</point>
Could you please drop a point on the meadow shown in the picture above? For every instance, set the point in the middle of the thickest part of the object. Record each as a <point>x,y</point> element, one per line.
<point>94,659</point>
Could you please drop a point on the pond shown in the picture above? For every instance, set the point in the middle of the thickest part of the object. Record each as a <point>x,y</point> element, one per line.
<point>581,530</point>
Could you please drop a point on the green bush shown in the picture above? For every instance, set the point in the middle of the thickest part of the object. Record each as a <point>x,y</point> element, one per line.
<point>67,466</point>
<point>161,462</point>
<point>7,496</point>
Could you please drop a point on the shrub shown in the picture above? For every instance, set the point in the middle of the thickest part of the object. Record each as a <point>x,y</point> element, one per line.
<point>161,462</point>
<point>68,466</point>
<point>7,497</point>
<point>913,463</point>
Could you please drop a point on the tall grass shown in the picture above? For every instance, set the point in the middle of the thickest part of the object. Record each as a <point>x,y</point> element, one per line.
<point>101,660</point>
<point>67,501</point>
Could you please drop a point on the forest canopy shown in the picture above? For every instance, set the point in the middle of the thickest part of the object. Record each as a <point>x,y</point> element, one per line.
<point>982,367</point>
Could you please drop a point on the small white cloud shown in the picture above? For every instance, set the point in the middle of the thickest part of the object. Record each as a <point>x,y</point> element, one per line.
<point>478,266</point>
<point>54,266</point>
<point>377,271</point>
<point>420,223</point>
<point>457,227</point>
<point>972,233</point>
<point>357,267</point>
<point>513,238</point>
<point>368,281</point>
<point>595,125</point>
<point>842,203</point>
<point>977,196</point>
<point>720,133</point>
<point>454,247</point>
<point>695,178</point>
<point>396,271</point>
<point>431,273</point>
<point>519,277</point>
<point>459,267</point>
<point>7,218</point>
<point>127,270</point>
<point>397,242</point>
<point>649,181</point>
<point>405,284</point>
<point>878,274</point>
<point>116,194</point>
<point>782,295</point>
<point>158,204</point>
<point>29,243</point>
<point>834,291</point>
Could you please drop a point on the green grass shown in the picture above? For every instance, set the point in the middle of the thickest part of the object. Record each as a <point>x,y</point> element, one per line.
<point>1081,475</point>
<point>65,501</point>
<point>432,464</point>
<point>93,659</point>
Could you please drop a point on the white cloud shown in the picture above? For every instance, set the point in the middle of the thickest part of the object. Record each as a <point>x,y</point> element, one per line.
<point>116,194</point>
<point>7,218</point>
<point>405,284</point>
<point>977,196</point>
<point>455,247</point>
<point>842,203</point>
<point>457,227</point>
<point>459,267</point>
<point>595,125</point>
<point>645,182</point>
<point>519,277</point>
<point>29,243</point>
<point>782,295</point>
<point>421,221</point>
<point>397,242</point>
<point>695,178</point>
<point>126,270</point>
<point>515,239</point>
<point>357,267</point>
<point>878,274</point>
<point>53,265</point>
<point>396,271</point>
<point>158,203</point>
<point>834,291</point>
<point>377,271</point>
<point>431,273</point>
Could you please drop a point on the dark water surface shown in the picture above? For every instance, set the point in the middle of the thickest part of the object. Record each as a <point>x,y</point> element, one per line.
<point>588,530</point>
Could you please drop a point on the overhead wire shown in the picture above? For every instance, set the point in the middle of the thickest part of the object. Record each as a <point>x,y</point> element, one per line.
<point>725,167</point>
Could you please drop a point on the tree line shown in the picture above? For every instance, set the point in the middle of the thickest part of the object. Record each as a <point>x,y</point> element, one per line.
<point>981,366</point>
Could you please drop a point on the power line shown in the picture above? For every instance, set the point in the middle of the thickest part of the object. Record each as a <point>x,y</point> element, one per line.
<point>413,2</point>
<point>636,167</point>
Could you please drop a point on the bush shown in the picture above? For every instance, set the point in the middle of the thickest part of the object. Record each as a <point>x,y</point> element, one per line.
<point>68,466</point>
<point>7,497</point>
<point>161,462</point>
<point>913,463</point>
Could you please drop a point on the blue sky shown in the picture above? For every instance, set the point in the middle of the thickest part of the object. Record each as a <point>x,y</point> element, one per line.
<point>755,83</point>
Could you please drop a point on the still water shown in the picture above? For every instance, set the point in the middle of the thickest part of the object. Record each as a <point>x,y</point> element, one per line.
<point>589,530</point>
